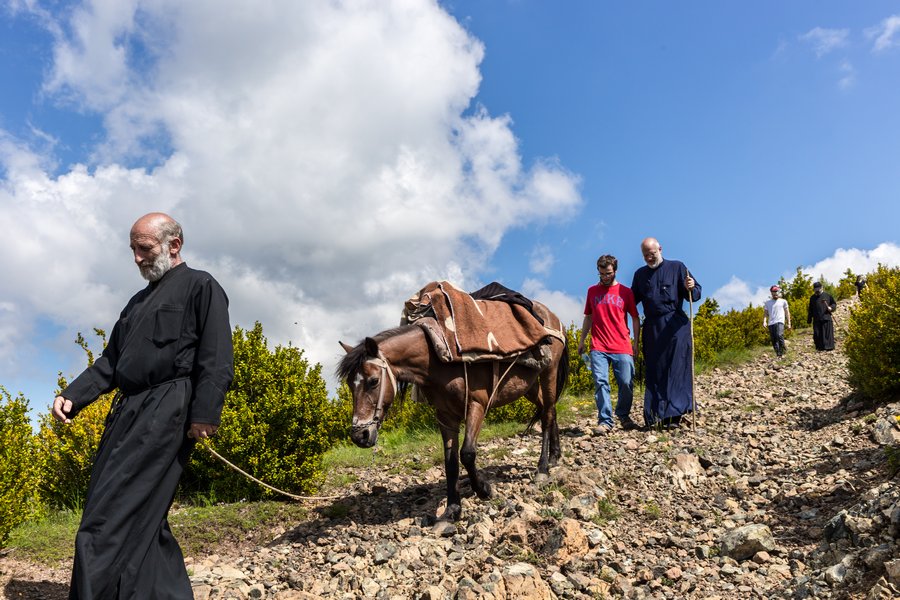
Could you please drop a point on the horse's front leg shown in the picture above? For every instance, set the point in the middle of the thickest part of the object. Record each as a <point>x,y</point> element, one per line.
<point>451,469</point>
<point>474,420</point>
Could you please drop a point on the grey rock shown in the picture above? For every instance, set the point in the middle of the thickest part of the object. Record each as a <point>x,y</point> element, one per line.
<point>743,542</point>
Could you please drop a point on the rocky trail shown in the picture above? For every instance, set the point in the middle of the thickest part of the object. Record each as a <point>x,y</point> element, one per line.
<point>782,490</point>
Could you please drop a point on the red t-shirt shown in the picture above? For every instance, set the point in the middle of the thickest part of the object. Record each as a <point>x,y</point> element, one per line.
<point>609,307</point>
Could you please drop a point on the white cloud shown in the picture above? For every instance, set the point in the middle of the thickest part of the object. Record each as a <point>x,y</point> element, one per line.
<point>541,259</point>
<point>859,261</point>
<point>824,41</point>
<point>321,156</point>
<point>848,75</point>
<point>885,34</point>
<point>738,294</point>
<point>569,310</point>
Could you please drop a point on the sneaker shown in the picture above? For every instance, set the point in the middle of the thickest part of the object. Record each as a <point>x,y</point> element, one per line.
<point>601,430</point>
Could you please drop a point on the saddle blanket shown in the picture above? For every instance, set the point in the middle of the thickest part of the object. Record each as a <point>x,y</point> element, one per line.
<point>464,329</point>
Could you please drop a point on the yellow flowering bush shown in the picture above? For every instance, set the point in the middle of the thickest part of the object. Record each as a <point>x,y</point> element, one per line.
<point>19,474</point>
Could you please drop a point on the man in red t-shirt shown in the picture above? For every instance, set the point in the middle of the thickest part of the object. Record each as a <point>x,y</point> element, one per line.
<point>605,320</point>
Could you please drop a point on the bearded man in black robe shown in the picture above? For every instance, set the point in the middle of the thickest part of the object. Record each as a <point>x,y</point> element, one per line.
<point>170,358</point>
<point>661,287</point>
<point>821,305</point>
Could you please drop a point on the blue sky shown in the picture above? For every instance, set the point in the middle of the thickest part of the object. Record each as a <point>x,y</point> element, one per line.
<point>328,159</point>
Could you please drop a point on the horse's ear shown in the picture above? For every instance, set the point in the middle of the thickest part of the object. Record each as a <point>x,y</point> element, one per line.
<point>371,347</point>
<point>346,347</point>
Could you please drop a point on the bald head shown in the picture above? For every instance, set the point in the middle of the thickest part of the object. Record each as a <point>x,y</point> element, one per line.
<point>161,225</point>
<point>652,252</point>
<point>156,240</point>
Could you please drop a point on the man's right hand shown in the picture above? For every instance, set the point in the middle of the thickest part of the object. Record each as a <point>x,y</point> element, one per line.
<point>581,347</point>
<point>61,409</point>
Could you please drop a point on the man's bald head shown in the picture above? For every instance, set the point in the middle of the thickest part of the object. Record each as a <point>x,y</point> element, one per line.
<point>156,240</point>
<point>652,252</point>
<point>161,225</point>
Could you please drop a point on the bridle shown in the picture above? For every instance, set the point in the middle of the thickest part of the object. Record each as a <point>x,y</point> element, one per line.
<point>381,362</point>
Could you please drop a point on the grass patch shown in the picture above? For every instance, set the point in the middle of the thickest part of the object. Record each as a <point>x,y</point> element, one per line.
<point>401,447</point>
<point>730,357</point>
<point>199,529</point>
<point>552,513</point>
<point>575,407</point>
<point>49,541</point>
<point>652,510</point>
<point>606,511</point>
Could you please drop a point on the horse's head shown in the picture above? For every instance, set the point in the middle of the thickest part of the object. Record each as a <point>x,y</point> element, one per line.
<point>373,386</point>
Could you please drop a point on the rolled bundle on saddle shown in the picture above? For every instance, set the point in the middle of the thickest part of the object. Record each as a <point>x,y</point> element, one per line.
<point>492,324</point>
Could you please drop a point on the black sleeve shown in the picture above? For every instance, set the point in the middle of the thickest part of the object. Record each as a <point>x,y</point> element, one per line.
<point>214,363</point>
<point>97,379</point>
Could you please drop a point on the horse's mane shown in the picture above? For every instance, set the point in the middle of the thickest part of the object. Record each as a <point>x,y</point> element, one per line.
<point>353,360</point>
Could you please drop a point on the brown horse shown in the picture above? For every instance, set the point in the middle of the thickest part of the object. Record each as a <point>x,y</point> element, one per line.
<point>377,368</point>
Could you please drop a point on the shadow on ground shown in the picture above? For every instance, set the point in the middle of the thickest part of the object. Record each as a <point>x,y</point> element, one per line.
<point>381,506</point>
<point>35,590</point>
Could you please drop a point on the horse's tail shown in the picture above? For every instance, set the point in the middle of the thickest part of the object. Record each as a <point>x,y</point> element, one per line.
<point>562,371</point>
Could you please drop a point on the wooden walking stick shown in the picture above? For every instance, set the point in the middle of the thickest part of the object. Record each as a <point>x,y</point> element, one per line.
<point>693,399</point>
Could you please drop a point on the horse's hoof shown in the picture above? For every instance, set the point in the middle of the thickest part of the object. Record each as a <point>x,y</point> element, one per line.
<point>541,479</point>
<point>444,528</point>
<point>485,492</point>
<point>451,513</point>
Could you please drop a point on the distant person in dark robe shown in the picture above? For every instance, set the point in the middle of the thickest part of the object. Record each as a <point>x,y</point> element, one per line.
<point>860,284</point>
<point>821,305</point>
<point>661,288</point>
<point>170,358</point>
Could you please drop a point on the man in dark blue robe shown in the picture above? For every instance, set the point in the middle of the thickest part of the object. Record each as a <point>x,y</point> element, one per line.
<point>821,305</point>
<point>170,357</point>
<point>661,288</point>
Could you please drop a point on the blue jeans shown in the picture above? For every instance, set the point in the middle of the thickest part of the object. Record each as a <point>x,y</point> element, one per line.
<point>623,369</point>
<point>776,334</point>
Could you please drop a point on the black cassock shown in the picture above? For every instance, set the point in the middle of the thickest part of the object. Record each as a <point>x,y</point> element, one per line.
<point>666,339</point>
<point>170,356</point>
<point>819,314</point>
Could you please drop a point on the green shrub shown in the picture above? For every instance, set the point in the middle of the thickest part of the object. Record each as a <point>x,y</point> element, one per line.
<point>846,287</point>
<point>797,293</point>
<point>67,451</point>
<point>520,411</point>
<point>67,454</point>
<point>408,412</point>
<point>277,423</point>
<point>19,474</point>
<point>581,381</point>
<point>873,336</point>
<point>715,333</point>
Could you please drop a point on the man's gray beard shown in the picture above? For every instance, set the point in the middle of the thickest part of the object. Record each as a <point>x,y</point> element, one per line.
<point>159,267</point>
<point>656,264</point>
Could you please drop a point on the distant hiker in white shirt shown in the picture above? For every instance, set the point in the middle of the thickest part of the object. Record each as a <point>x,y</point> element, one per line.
<point>776,316</point>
